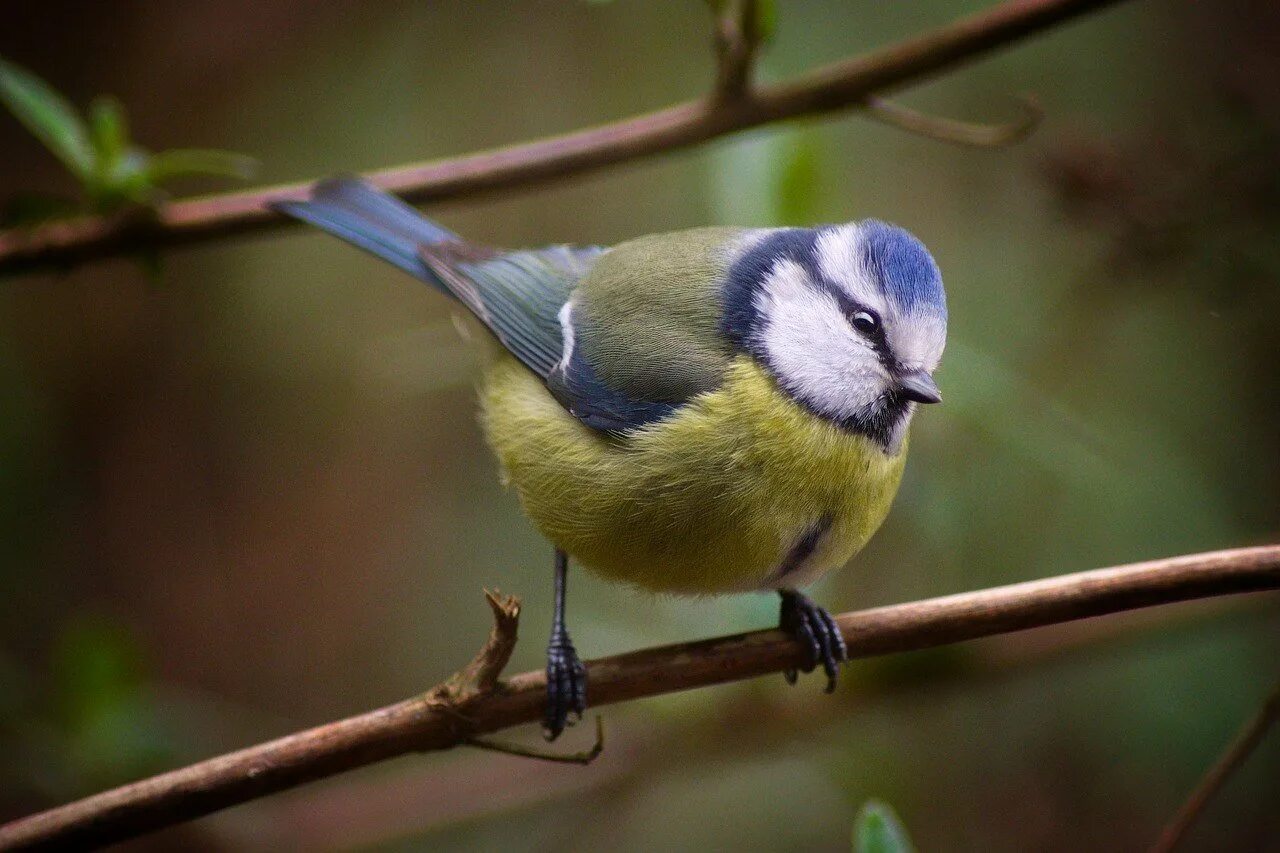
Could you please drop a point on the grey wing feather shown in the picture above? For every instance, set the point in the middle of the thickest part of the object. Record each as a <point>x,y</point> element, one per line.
<point>518,296</point>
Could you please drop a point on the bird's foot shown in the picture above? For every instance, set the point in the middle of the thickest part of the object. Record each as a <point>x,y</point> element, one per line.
<point>566,686</point>
<point>816,631</point>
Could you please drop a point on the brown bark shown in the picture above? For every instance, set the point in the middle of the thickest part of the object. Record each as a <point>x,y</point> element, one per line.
<point>471,704</point>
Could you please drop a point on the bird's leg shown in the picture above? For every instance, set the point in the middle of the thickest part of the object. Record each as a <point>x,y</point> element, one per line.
<point>816,631</point>
<point>566,676</point>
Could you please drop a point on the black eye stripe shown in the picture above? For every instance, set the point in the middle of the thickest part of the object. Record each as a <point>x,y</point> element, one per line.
<point>851,307</point>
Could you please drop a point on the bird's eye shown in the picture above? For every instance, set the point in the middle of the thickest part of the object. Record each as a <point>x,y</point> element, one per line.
<point>865,322</point>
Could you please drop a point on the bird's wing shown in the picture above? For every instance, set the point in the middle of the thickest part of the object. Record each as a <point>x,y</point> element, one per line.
<point>622,337</point>
<point>645,325</point>
<point>517,295</point>
<point>642,318</point>
<point>524,299</point>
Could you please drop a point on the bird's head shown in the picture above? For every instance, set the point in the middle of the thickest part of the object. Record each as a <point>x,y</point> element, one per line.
<point>849,319</point>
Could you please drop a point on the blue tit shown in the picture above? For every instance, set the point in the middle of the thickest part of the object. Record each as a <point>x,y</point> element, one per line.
<point>707,411</point>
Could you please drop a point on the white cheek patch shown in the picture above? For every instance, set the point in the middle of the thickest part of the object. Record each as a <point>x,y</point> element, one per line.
<point>839,252</point>
<point>811,347</point>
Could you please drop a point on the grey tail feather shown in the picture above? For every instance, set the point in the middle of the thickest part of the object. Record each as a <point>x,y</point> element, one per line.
<point>373,220</point>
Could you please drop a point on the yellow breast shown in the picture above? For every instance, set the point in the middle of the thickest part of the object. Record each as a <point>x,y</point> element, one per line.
<point>712,499</point>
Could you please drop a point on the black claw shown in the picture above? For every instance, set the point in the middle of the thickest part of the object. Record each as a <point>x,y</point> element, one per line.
<point>566,687</point>
<point>810,631</point>
<point>579,689</point>
<point>833,647</point>
<point>817,631</point>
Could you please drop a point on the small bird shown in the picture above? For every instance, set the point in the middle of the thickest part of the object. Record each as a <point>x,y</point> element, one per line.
<point>707,411</point>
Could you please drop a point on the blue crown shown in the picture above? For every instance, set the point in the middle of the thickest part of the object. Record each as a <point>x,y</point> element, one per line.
<point>903,267</point>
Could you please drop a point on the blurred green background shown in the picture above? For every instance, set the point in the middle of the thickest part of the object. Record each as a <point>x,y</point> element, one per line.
<point>250,495</point>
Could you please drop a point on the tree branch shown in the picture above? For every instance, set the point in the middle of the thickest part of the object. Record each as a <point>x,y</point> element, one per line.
<point>1245,741</point>
<point>844,84</point>
<point>425,723</point>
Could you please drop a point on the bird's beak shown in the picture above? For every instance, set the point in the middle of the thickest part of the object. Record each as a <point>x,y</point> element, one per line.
<point>919,386</point>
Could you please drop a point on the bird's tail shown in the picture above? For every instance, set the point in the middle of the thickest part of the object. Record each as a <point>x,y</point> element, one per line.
<point>373,220</point>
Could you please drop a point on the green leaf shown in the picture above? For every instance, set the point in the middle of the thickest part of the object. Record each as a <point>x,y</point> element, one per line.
<point>112,170</point>
<point>127,182</point>
<point>184,162</point>
<point>109,132</point>
<point>48,116</point>
<point>119,176</point>
<point>878,830</point>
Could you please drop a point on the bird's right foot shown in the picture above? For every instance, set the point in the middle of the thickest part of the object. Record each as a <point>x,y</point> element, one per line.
<point>817,632</point>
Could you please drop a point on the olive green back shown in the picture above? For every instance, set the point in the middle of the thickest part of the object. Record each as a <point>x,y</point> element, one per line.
<point>648,314</point>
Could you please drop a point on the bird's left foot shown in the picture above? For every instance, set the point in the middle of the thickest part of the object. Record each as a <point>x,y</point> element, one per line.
<point>816,631</point>
<point>566,686</point>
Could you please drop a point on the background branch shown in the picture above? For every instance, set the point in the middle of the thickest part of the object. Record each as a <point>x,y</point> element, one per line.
<point>958,132</point>
<point>841,85</point>
<point>426,723</point>
<point>1244,743</point>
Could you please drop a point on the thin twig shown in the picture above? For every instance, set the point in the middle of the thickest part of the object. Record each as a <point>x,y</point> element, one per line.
<point>583,757</point>
<point>838,86</point>
<point>481,674</point>
<point>1245,741</point>
<point>419,724</point>
<point>959,132</point>
<point>737,40</point>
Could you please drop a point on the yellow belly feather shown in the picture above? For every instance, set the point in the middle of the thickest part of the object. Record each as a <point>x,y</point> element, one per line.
<point>709,500</point>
